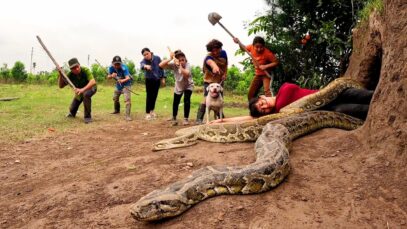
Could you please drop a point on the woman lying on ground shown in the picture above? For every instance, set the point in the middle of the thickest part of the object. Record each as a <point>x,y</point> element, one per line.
<point>352,101</point>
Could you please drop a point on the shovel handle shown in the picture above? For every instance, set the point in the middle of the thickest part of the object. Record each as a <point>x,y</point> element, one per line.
<point>244,48</point>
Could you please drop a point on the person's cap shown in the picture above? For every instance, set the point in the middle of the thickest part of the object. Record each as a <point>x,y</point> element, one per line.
<point>73,62</point>
<point>117,60</point>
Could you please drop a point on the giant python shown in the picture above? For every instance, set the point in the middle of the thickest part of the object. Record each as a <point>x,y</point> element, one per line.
<point>270,168</point>
<point>250,130</point>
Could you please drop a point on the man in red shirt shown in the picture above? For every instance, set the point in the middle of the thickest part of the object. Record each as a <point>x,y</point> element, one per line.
<point>264,60</point>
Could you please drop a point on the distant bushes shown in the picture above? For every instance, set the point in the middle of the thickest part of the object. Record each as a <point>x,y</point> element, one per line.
<point>237,80</point>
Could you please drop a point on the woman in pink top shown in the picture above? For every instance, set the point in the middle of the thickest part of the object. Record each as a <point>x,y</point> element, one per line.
<point>352,101</point>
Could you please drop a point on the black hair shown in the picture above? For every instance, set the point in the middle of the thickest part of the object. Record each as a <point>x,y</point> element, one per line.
<point>178,53</point>
<point>213,44</point>
<point>145,49</point>
<point>259,40</point>
<point>253,109</point>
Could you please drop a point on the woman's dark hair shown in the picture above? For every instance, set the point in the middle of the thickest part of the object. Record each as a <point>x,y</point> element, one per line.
<point>253,109</point>
<point>145,49</point>
<point>178,53</point>
<point>213,44</point>
<point>259,40</point>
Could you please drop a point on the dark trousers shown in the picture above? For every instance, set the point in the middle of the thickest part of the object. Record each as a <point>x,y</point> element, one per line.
<point>353,102</point>
<point>152,87</point>
<point>187,103</point>
<point>86,98</point>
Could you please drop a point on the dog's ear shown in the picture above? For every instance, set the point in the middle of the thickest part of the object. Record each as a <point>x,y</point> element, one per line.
<point>207,88</point>
<point>221,88</point>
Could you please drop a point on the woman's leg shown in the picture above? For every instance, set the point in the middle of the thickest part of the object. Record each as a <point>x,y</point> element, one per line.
<point>175,104</point>
<point>187,103</point>
<point>355,110</point>
<point>355,95</point>
<point>149,89</point>
<point>154,94</point>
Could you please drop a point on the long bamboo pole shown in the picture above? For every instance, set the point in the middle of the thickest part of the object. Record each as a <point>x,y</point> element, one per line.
<point>56,64</point>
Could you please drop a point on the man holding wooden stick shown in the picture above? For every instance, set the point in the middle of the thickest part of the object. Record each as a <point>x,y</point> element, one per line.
<point>120,72</point>
<point>84,87</point>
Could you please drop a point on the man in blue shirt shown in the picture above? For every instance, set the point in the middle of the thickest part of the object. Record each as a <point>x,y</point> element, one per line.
<point>120,72</point>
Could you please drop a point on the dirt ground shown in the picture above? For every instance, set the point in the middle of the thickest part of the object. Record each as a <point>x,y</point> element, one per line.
<point>89,179</point>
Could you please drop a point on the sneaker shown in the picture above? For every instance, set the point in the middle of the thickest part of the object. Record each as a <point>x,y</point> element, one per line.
<point>199,122</point>
<point>148,117</point>
<point>185,122</point>
<point>153,115</point>
<point>115,112</point>
<point>174,123</point>
<point>88,120</point>
<point>69,115</point>
<point>170,119</point>
<point>128,118</point>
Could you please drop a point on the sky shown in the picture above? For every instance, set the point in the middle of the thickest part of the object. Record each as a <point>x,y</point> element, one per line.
<point>102,29</point>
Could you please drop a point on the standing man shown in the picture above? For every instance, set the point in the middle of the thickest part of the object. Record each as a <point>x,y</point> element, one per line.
<point>154,75</point>
<point>85,85</point>
<point>120,72</point>
<point>264,60</point>
<point>215,69</point>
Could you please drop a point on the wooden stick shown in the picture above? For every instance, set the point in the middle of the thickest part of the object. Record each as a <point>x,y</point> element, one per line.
<point>8,98</point>
<point>56,64</point>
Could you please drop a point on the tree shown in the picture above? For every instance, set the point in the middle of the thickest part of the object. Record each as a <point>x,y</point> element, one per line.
<point>130,64</point>
<point>197,75</point>
<point>312,39</point>
<point>18,72</point>
<point>5,73</point>
<point>98,72</point>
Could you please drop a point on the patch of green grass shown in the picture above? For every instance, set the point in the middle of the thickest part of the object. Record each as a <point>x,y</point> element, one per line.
<point>370,6</point>
<point>42,108</point>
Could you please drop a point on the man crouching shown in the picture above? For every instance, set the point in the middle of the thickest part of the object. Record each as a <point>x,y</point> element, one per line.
<point>85,85</point>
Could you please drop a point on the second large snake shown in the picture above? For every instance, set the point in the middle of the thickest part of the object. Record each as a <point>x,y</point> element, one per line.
<point>269,169</point>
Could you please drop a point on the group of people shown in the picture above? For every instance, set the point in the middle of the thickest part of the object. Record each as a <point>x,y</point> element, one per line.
<point>352,101</point>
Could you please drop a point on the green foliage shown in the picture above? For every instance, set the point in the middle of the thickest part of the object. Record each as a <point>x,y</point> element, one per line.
<point>18,72</point>
<point>321,58</point>
<point>197,75</point>
<point>237,81</point>
<point>170,77</point>
<point>53,77</point>
<point>99,72</point>
<point>370,6</point>
<point>5,73</point>
<point>130,64</point>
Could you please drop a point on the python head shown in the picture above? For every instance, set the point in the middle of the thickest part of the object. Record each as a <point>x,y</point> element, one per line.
<point>155,207</point>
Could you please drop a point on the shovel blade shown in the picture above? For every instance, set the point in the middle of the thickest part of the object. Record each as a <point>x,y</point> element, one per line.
<point>214,18</point>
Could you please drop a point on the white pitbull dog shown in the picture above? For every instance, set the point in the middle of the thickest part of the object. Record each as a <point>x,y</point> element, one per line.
<point>214,100</point>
